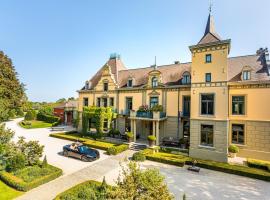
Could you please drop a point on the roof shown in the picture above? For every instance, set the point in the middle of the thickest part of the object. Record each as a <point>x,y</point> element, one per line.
<point>172,74</point>
<point>210,34</point>
<point>68,104</point>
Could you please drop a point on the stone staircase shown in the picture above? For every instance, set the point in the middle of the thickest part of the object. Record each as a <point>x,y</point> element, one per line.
<point>137,146</point>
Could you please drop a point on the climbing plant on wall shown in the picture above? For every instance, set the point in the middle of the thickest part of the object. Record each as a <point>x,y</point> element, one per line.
<point>97,114</point>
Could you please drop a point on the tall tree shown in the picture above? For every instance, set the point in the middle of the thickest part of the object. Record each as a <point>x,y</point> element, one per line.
<point>11,90</point>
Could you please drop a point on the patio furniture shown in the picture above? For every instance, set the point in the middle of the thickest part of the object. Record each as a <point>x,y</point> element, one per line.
<point>170,141</point>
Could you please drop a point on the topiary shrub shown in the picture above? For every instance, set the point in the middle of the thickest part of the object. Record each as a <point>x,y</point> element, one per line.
<point>151,138</point>
<point>233,148</point>
<point>30,115</point>
<point>138,156</point>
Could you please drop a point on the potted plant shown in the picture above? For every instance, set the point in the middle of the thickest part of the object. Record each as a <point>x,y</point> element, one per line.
<point>151,140</point>
<point>182,143</point>
<point>130,136</point>
<point>233,150</point>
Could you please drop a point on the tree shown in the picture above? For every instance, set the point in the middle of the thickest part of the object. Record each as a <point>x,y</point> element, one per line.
<point>11,90</point>
<point>32,150</point>
<point>61,100</point>
<point>5,135</point>
<point>134,183</point>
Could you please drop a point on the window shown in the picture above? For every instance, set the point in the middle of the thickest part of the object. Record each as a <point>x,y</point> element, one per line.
<point>208,77</point>
<point>105,102</point>
<point>129,83</point>
<point>128,104</point>
<point>246,75</point>
<point>238,133</point>
<point>186,105</point>
<point>86,85</point>
<point>207,135</point>
<point>105,86</point>
<point>207,104</point>
<point>105,125</point>
<point>85,101</point>
<point>153,101</point>
<point>238,105</point>
<point>186,78</point>
<point>208,58</point>
<point>111,101</point>
<point>154,82</point>
<point>98,102</point>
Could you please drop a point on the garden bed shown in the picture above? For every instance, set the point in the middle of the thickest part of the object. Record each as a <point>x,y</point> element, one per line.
<point>181,160</point>
<point>30,177</point>
<point>111,148</point>
<point>85,190</point>
<point>34,124</point>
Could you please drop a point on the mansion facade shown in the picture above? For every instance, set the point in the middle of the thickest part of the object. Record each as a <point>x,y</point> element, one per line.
<point>214,101</point>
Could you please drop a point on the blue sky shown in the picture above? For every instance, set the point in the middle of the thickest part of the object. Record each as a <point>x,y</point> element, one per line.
<point>56,45</point>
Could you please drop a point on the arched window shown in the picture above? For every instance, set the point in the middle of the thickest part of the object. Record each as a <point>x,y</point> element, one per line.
<point>186,78</point>
<point>154,82</point>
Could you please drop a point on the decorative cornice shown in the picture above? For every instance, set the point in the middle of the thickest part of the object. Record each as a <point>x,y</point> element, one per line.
<point>250,86</point>
<point>212,84</point>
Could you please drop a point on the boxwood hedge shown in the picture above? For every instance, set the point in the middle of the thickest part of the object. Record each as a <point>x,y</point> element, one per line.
<point>21,185</point>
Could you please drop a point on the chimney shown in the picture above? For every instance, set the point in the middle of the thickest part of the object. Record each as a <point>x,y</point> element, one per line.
<point>177,62</point>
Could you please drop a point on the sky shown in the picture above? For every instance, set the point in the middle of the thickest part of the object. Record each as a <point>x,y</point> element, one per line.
<point>56,45</point>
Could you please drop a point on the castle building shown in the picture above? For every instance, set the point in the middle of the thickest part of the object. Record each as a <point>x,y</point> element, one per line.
<point>213,101</point>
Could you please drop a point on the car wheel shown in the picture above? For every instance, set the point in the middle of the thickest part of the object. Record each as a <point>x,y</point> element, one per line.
<point>84,158</point>
<point>65,153</point>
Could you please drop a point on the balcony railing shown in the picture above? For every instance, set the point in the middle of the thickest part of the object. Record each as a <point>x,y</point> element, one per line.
<point>147,114</point>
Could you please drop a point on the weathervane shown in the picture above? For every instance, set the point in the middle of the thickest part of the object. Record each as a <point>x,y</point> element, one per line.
<point>210,6</point>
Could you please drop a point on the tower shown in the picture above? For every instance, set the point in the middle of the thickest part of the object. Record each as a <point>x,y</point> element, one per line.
<point>209,96</point>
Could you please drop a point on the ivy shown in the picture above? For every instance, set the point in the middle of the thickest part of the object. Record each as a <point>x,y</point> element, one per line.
<point>97,114</point>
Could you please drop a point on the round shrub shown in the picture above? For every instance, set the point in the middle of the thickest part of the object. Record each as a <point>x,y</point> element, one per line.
<point>233,149</point>
<point>112,150</point>
<point>138,156</point>
<point>130,135</point>
<point>30,115</point>
<point>151,138</point>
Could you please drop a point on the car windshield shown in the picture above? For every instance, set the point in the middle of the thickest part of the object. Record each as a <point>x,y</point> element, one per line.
<point>83,149</point>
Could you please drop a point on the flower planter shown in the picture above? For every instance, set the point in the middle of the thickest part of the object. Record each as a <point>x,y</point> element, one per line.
<point>232,155</point>
<point>151,143</point>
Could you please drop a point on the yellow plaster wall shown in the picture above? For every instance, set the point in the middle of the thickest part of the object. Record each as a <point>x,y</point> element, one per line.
<point>220,105</point>
<point>257,104</point>
<point>218,66</point>
<point>136,100</point>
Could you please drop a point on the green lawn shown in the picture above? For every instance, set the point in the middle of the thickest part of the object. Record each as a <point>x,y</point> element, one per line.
<point>7,192</point>
<point>36,124</point>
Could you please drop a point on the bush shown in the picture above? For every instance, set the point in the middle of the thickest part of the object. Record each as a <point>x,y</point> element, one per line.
<point>151,138</point>
<point>44,162</point>
<point>233,148</point>
<point>16,162</point>
<point>19,184</point>
<point>130,135</point>
<point>19,112</point>
<point>138,156</point>
<point>260,164</point>
<point>114,132</point>
<point>114,150</point>
<point>12,113</point>
<point>157,108</point>
<point>48,118</point>
<point>26,123</point>
<point>30,115</point>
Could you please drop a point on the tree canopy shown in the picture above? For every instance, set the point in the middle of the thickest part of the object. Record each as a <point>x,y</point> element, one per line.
<point>11,90</point>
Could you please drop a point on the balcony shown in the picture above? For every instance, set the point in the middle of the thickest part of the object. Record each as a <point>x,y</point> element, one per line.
<point>147,115</point>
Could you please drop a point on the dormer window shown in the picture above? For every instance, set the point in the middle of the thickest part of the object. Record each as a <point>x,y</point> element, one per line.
<point>154,82</point>
<point>105,87</point>
<point>129,83</point>
<point>86,85</point>
<point>186,78</point>
<point>246,75</point>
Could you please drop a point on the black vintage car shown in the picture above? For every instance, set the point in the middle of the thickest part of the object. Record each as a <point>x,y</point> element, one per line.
<point>81,152</point>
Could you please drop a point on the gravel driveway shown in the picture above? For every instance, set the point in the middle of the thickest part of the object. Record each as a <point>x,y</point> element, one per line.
<point>53,147</point>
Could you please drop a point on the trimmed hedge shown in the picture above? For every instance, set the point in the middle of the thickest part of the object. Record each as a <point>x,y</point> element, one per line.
<point>117,149</point>
<point>48,118</point>
<point>234,169</point>
<point>166,158</point>
<point>260,164</point>
<point>21,185</point>
<point>111,148</point>
<point>138,156</point>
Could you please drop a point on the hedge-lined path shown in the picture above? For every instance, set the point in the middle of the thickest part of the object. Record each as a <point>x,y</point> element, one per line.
<point>206,185</point>
<point>109,168</point>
